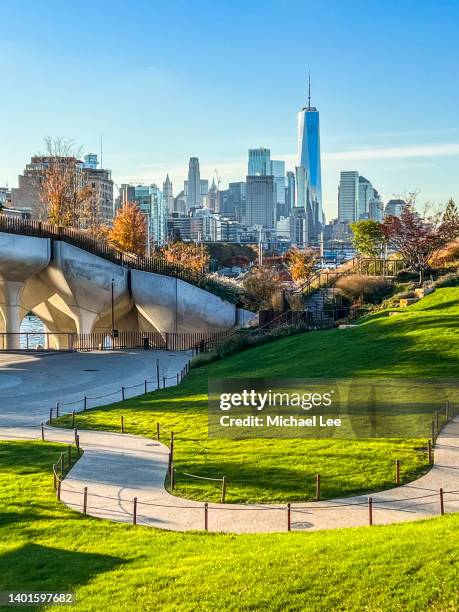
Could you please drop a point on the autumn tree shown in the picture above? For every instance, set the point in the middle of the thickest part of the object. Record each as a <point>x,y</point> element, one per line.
<point>300,263</point>
<point>187,254</point>
<point>419,240</point>
<point>368,237</point>
<point>62,190</point>
<point>129,232</point>
<point>264,284</point>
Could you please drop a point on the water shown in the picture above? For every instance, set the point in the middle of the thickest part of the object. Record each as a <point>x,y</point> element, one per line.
<point>32,325</point>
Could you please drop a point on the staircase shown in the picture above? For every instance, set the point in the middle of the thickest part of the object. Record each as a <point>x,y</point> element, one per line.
<point>315,305</point>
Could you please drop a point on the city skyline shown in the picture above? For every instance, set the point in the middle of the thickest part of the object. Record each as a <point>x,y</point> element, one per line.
<point>376,109</point>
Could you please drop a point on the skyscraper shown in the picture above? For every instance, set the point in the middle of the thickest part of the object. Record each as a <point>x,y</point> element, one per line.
<point>278,172</point>
<point>370,204</point>
<point>259,162</point>
<point>193,198</point>
<point>348,196</point>
<point>309,156</point>
<point>260,201</point>
<point>290,192</point>
<point>168,195</point>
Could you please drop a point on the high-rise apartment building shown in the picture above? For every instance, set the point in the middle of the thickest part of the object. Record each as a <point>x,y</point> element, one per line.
<point>348,196</point>
<point>260,201</point>
<point>193,187</point>
<point>259,162</point>
<point>278,172</point>
<point>27,194</point>
<point>309,158</point>
<point>99,180</point>
<point>212,197</point>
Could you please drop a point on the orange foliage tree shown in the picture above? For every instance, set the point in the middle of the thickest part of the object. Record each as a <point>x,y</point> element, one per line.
<point>301,264</point>
<point>187,254</point>
<point>129,232</point>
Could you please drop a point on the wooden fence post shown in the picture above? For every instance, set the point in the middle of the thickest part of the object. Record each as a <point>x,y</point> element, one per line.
<point>157,374</point>
<point>78,444</point>
<point>447,410</point>
<point>206,516</point>
<point>429,448</point>
<point>442,504</point>
<point>397,471</point>
<point>85,402</point>
<point>178,378</point>
<point>85,500</point>
<point>171,453</point>
<point>157,431</point>
<point>433,433</point>
<point>50,416</point>
<point>69,455</point>
<point>145,386</point>
<point>57,409</point>
<point>73,419</point>
<point>164,382</point>
<point>59,489</point>
<point>289,518</point>
<point>134,512</point>
<point>172,478</point>
<point>42,433</point>
<point>222,500</point>
<point>61,466</point>
<point>122,424</point>
<point>370,510</point>
<point>317,487</point>
<point>54,477</point>
<point>437,420</point>
<point>122,393</point>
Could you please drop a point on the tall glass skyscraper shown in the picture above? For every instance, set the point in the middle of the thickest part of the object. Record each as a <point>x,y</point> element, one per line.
<point>309,154</point>
<point>259,162</point>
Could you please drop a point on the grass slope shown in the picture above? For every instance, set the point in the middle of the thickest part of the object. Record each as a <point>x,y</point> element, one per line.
<point>46,547</point>
<point>422,342</point>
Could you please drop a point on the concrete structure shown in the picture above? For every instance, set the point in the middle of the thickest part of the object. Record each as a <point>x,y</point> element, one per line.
<point>70,290</point>
<point>348,196</point>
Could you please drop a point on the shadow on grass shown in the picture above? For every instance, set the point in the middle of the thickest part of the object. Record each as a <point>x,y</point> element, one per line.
<point>33,567</point>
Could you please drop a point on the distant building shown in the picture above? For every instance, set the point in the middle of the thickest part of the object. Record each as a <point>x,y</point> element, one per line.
<point>27,194</point>
<point>193,185</point>
<point>101,185</point>
<point>212,197</point>
<point>260,201</point>
<point>259,162</point>
<point>299,227</point>
<point>348,196</point>
<point>290,192</point>
<point>394,208</point>
<point>370,204</point>
<point>168,195</point>
<point>309,158</point>
<point>238,200</point>
<point>278,172</point>
<point>5,196</point>
<point>90,161</point>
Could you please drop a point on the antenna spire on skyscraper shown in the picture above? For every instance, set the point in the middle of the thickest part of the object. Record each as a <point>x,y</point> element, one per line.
<point>309,90</point>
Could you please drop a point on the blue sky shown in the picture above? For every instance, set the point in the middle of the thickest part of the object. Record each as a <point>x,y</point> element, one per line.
<point>166,80</point>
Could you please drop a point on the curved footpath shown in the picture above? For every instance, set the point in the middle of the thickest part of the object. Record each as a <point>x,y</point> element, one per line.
<point>118,467</point>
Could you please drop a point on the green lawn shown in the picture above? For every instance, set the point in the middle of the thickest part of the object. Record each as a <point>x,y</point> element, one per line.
<point>44,546</point>
<point>421,343</point>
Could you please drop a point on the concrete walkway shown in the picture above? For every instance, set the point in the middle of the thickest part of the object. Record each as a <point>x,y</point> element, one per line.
<point>116,468</point>
<point>32,383</point>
